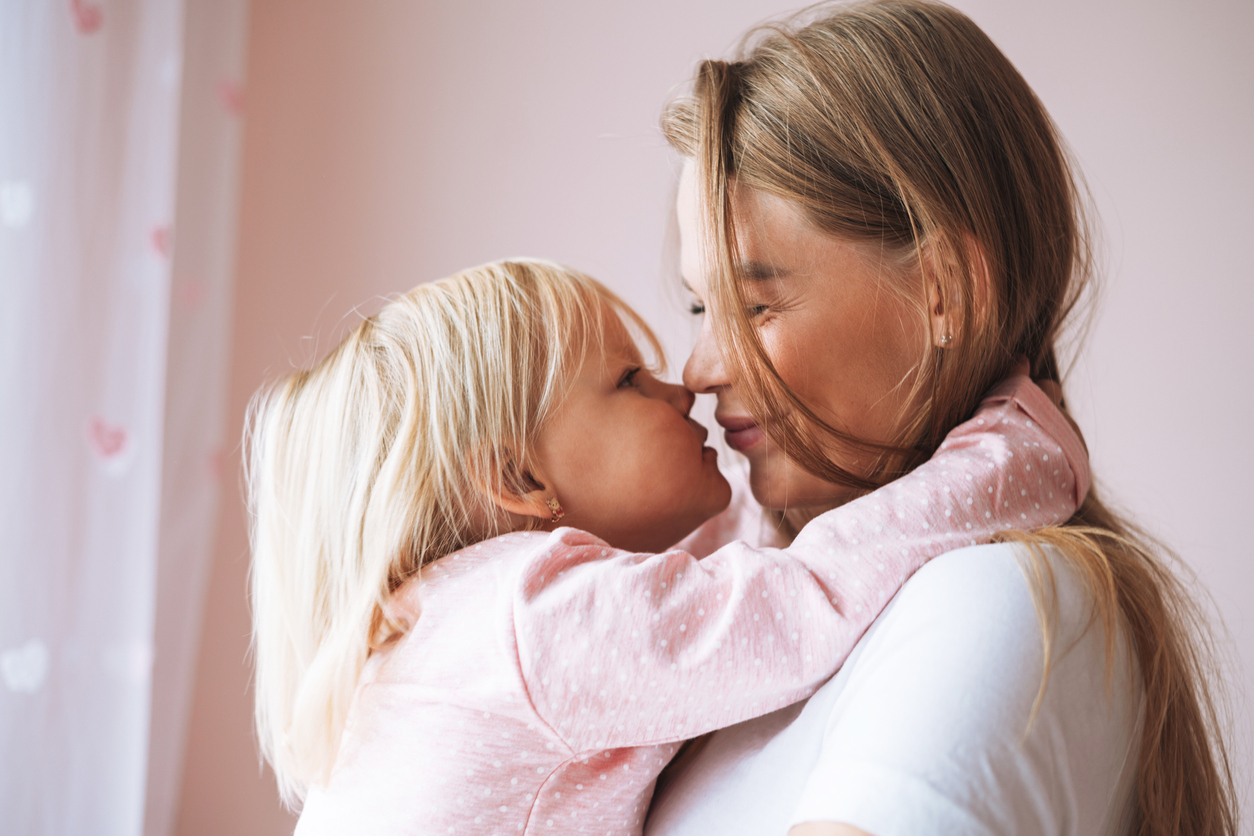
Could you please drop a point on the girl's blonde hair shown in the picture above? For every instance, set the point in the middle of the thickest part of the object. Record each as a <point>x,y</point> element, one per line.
<point>383,458</point>
<point>898,124</point>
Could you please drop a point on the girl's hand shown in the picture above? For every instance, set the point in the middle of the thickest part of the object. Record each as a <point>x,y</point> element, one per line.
<point>1053,389</point>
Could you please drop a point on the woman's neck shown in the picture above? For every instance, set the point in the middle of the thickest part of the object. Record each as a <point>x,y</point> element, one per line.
<point>791,522</point>
<point>795,518</point>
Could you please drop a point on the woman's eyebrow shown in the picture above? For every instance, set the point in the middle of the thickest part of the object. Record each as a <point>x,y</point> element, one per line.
<point>754,271</point>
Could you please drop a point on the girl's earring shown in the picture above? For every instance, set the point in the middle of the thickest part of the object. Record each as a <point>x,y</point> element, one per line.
<point>946,339</point>
<point>556,508</point>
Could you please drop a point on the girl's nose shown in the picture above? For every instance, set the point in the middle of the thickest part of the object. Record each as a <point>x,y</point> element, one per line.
<point>679,397</point>
<point>704,372</point>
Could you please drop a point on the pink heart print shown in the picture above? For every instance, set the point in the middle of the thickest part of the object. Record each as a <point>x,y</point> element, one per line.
<point>161,240</point>
<point>88,17</point>
<point>231,96</point>
<point>107,440</point>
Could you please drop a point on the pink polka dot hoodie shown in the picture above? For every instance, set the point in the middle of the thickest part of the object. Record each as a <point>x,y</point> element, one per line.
<point>547,677</point>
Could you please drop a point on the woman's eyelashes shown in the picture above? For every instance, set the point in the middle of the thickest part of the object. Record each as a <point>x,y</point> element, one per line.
<point>754,311</point>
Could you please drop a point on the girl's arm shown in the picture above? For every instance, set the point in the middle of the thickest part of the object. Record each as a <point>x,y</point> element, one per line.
<point>620,649</point>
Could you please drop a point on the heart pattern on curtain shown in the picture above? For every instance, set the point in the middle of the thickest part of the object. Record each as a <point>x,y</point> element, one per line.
<point>113,350</point>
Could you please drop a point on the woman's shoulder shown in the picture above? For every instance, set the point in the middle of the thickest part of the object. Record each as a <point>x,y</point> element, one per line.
<point>989,614</point>
<point>933,724</point>
<point>991,567</point>
<point>999,585</point>
<point>950,705</point>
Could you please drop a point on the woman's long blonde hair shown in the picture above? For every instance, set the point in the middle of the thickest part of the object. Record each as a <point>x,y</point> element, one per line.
<point>381,459</point>
<point>899,125</point>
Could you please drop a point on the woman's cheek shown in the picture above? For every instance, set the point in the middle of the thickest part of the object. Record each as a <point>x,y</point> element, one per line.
<point>796,367</point>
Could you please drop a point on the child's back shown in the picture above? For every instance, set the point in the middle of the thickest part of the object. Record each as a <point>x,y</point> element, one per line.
<point>443,737</point>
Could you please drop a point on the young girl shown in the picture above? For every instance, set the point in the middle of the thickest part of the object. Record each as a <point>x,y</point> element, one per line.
<point>436,655</point>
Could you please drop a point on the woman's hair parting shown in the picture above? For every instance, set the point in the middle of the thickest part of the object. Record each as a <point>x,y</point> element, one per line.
<point>382,458</point>
<point>899,126</point>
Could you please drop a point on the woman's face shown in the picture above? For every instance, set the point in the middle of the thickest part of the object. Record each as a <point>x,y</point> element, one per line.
<point>838,335</point>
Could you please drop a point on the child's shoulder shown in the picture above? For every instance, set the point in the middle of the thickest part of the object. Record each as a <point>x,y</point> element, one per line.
<point>498,556</point>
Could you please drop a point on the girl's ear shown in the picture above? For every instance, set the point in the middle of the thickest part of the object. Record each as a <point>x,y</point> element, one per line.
<point>532,504</point>
<point>517,491</point>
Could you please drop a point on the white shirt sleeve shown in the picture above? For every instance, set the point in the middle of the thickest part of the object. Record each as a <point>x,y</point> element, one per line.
<point>929,726</point>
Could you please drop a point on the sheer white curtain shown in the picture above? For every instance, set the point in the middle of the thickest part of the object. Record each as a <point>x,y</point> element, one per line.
<point>119,123</point>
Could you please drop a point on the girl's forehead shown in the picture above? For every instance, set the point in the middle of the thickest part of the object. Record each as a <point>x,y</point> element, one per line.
<point>615,343</point>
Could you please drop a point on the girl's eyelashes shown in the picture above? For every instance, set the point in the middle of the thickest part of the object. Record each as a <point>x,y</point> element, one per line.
<point>696,308</point>
<point>629,377</point>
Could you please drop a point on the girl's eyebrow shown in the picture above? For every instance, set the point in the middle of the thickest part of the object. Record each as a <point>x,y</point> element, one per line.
<point>627,354</point>
<point>629,357</point>
<point>760,271</point>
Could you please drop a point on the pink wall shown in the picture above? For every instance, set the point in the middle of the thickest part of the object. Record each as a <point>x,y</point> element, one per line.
<point>389,143</point>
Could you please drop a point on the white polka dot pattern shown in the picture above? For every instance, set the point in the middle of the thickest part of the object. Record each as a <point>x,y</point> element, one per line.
<point>550,677</point>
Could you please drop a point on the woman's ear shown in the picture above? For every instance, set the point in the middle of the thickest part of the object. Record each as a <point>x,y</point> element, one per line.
<point>938,311</point>
<point>946,291</point>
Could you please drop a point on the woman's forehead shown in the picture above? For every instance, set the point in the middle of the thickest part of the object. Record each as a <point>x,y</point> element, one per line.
<point>769,230</point>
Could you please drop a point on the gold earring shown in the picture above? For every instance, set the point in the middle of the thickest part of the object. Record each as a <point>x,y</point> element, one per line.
<point>556,508</point>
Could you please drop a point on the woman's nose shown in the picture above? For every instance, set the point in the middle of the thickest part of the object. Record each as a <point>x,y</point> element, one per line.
<point>704,371</point>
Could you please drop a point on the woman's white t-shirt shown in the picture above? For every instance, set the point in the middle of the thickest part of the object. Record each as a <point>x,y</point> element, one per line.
<point>929,726</point>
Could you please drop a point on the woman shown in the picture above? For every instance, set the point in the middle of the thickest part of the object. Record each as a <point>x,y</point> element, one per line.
<point>877,218</point>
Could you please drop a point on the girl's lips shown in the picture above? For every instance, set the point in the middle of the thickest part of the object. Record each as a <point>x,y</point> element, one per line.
<point>741,433</point>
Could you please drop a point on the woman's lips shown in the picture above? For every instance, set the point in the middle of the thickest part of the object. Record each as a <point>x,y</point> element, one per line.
<point>741,433</point>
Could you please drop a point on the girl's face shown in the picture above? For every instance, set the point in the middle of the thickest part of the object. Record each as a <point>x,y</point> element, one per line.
<point>623,457</point>
<point>844,341</point>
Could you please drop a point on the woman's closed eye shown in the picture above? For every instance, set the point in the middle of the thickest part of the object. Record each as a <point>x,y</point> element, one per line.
<point>754,311</point>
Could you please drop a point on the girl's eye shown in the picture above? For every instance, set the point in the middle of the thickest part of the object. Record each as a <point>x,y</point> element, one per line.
<point>629,378</point>
<point>696,308</point>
